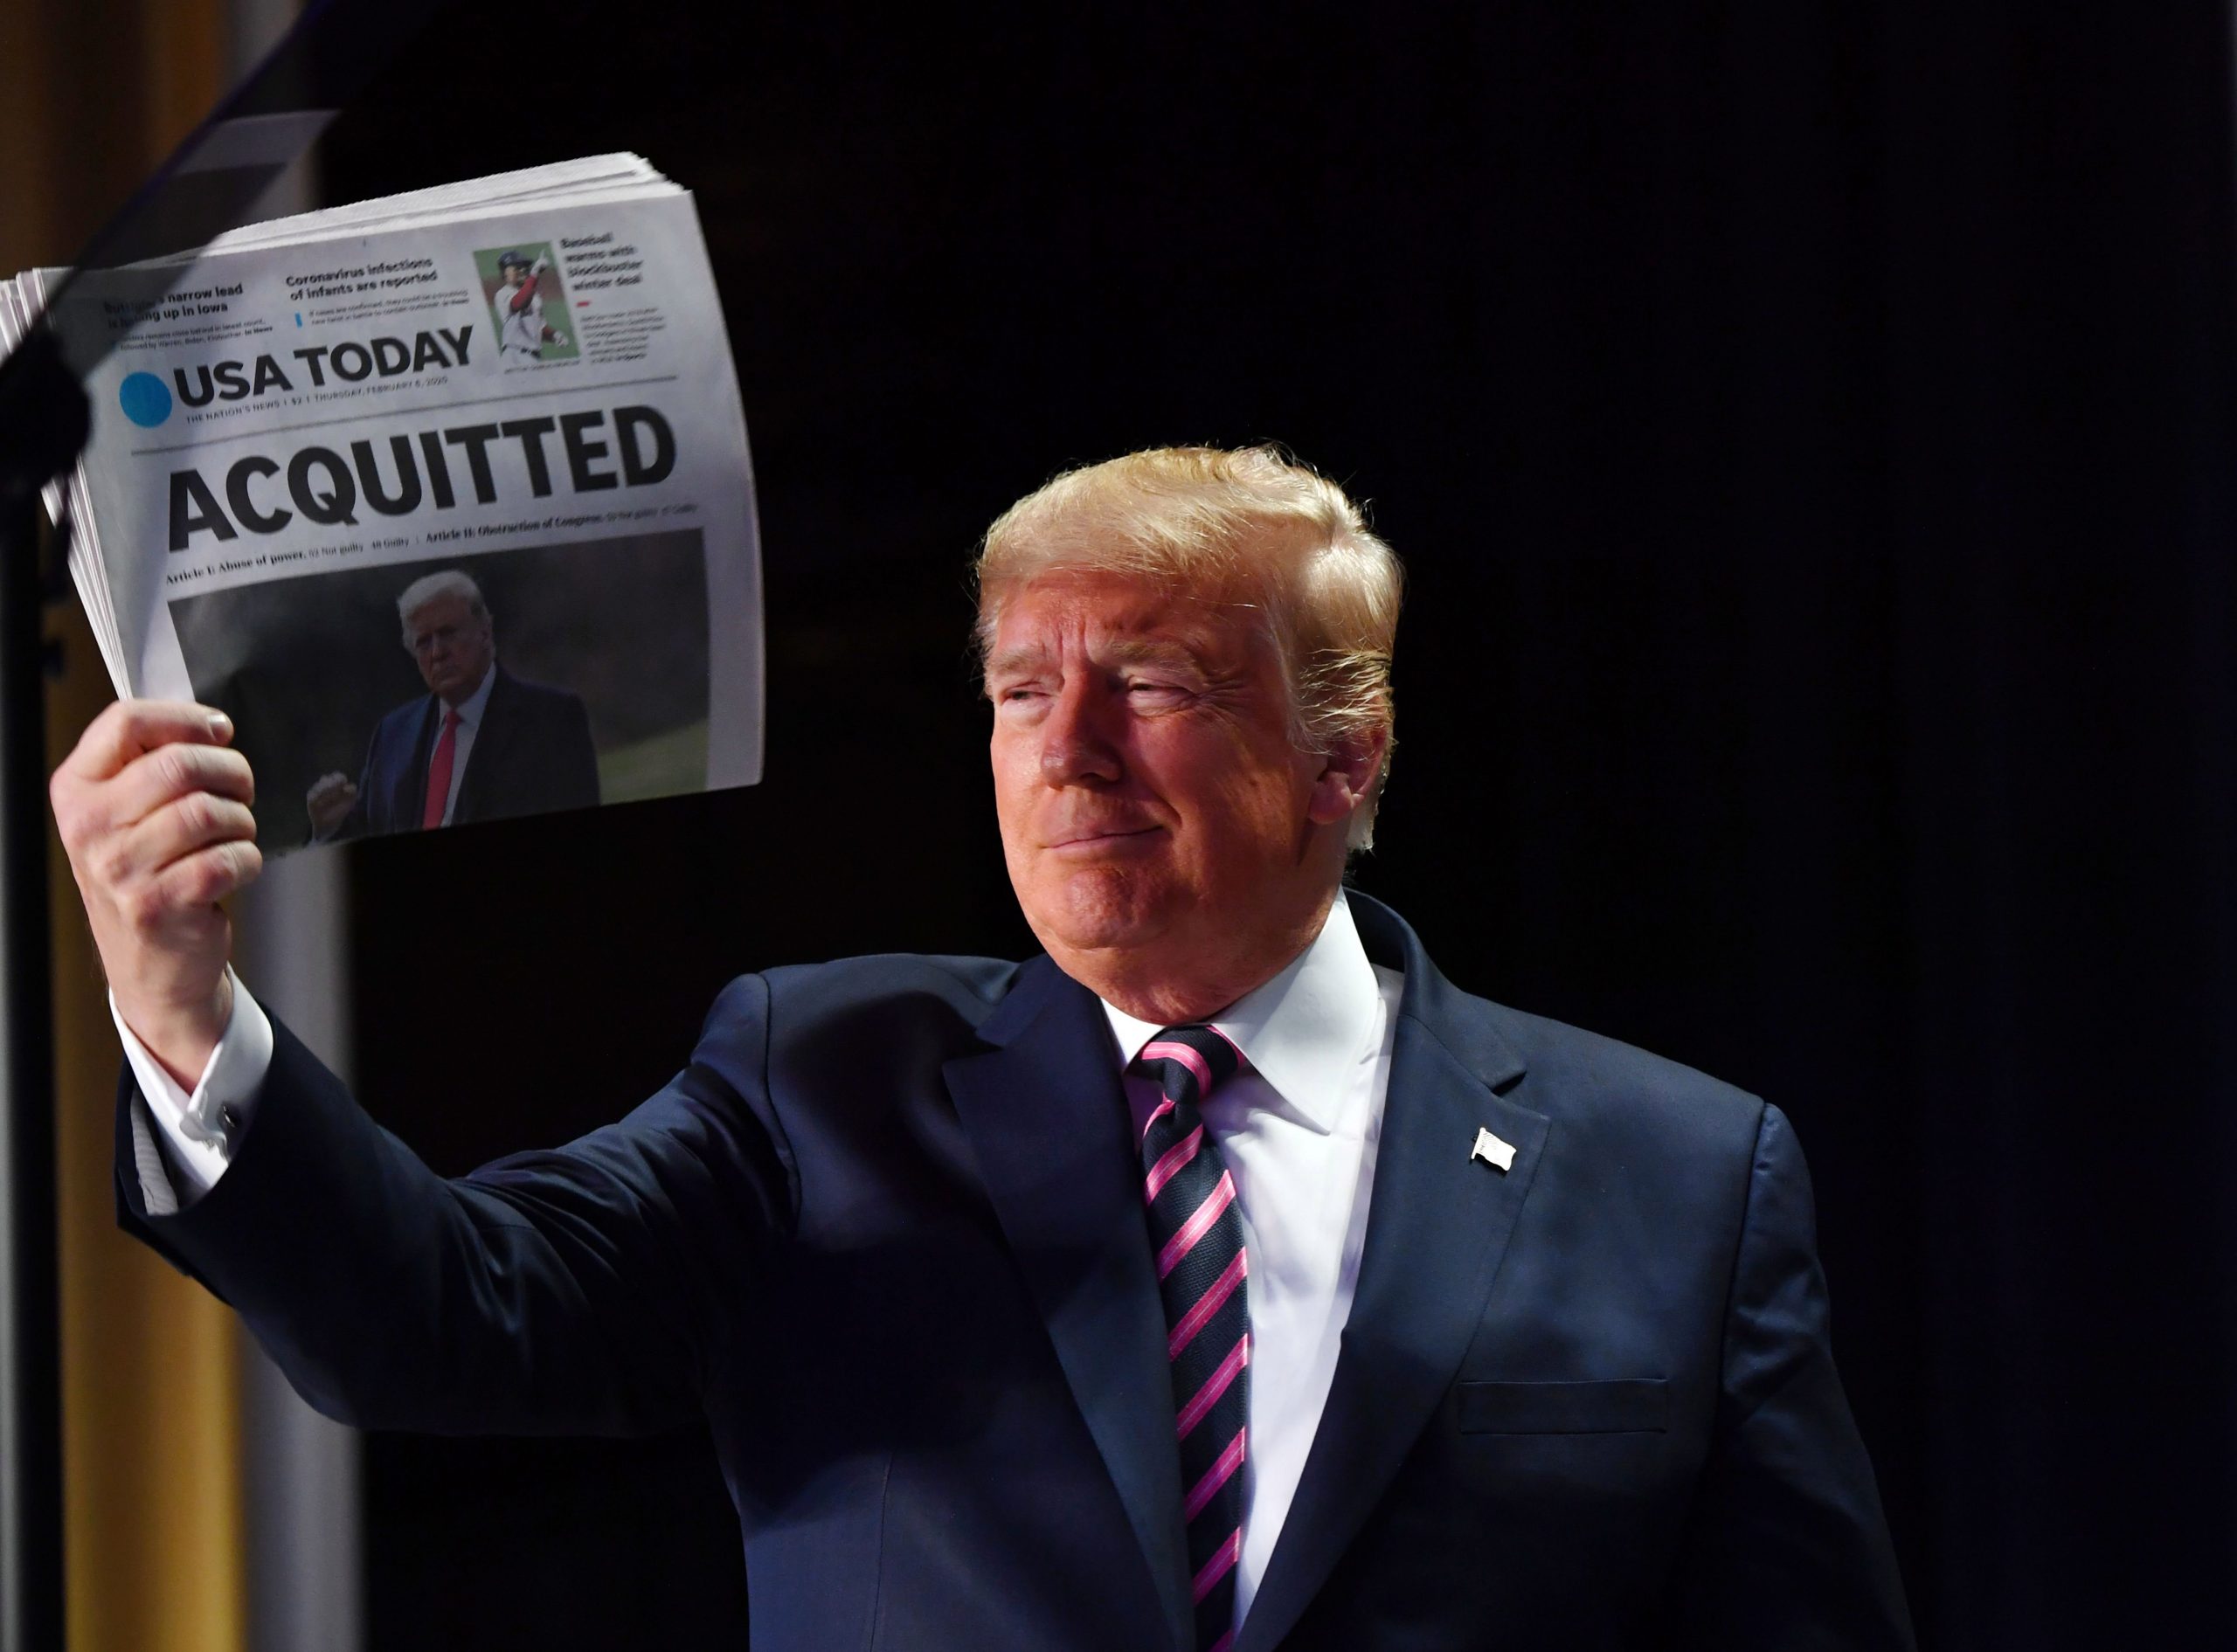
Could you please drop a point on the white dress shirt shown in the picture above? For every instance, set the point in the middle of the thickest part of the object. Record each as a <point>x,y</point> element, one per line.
<point>182,1157</point>
<point>1298,1130</point>
<point>469,719</point>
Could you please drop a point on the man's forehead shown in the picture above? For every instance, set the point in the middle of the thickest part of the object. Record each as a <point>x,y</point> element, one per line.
<point>444,606</point>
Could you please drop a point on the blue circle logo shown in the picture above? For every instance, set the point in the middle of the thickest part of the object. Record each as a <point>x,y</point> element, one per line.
<point>145,399</point>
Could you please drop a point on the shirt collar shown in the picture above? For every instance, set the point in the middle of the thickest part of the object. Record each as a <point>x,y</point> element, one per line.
<point>1303,1031</point>
<point>470,713</point>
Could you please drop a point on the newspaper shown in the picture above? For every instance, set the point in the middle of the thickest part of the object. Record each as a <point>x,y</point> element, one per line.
<point>444,498</point>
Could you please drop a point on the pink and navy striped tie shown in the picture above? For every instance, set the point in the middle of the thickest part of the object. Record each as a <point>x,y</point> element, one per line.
<point>1196,1234</point>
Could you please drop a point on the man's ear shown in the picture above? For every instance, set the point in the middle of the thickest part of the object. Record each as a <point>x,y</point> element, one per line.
<point>1348,776</point>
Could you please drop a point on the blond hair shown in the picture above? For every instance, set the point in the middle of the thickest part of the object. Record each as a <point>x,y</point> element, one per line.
<point>1247,525</point>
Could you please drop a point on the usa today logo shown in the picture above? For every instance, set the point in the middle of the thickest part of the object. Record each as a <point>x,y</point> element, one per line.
<point>145,399</point>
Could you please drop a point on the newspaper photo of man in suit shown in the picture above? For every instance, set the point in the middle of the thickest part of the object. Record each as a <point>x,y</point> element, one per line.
<point>481,745</point>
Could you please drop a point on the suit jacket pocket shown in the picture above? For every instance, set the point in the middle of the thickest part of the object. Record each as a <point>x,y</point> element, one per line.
<point>1629,1405</point>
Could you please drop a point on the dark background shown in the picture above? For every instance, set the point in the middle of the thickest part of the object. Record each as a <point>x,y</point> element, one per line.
<point>1809,428</point>
<point>598,617</point>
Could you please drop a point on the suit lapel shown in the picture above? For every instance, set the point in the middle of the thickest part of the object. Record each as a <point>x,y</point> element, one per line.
<point>488,751</point>
<point>411,787</point>
<point>1048,1118</point>
<point>1438,1228</point>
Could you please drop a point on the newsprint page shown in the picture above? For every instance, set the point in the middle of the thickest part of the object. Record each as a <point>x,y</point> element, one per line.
<point>445,499</point>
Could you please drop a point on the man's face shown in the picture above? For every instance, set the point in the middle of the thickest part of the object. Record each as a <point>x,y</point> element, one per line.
<point>1151,802</point>
<point>452,647</point>
<point>514,275</point>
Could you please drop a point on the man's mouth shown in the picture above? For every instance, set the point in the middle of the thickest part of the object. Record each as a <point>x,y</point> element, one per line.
<point>1094,838</point>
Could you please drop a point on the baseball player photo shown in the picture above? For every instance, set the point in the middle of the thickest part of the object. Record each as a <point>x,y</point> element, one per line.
<point>525,300</point>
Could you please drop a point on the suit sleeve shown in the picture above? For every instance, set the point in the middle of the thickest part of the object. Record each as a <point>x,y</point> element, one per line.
<point>586,1289</point>
<point>1788,1550</point>
<point>358,822</point>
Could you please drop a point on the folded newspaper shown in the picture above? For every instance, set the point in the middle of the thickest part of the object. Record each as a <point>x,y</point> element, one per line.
<point>444,498</point>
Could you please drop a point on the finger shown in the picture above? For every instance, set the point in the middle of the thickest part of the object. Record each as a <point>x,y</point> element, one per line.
<point>178,830</point>
<point>129,728</point>
<point>209,876</point>
<point>167,773</point>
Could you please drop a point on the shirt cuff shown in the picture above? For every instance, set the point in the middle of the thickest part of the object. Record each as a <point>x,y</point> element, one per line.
<point>200,1132</point>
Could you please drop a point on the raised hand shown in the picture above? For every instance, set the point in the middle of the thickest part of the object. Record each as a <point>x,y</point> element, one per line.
<point>153,806</point>
<point>329,800</point>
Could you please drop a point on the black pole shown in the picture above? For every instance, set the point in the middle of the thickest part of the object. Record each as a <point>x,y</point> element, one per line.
<point>43,424</point>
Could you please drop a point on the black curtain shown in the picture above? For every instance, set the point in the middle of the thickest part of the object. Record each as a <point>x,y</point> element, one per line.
<point>1810,433</point>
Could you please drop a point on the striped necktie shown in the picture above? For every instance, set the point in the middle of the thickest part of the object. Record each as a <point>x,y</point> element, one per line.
<point>439,772</point>
<point>1197,1236</point>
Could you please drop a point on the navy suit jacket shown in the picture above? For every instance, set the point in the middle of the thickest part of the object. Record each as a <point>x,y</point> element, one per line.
<point>531,755</point>
<point>884,1233</point>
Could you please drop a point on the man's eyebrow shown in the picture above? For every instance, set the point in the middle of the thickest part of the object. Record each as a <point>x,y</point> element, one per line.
<point>1162,651</point>
<point>1123,651</point>
<point>1014,660</point>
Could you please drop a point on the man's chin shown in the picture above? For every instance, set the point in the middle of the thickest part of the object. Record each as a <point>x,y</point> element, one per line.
<point>1101,908</point>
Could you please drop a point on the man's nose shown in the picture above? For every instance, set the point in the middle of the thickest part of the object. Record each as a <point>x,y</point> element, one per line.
<point>1076,739</point>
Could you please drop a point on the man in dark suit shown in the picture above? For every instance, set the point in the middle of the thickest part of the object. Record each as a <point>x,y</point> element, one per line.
<point>1223,1278</point>
<point>481,745</point>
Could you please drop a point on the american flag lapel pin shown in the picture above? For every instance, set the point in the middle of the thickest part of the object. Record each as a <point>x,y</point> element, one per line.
<point>1498,1154</point>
